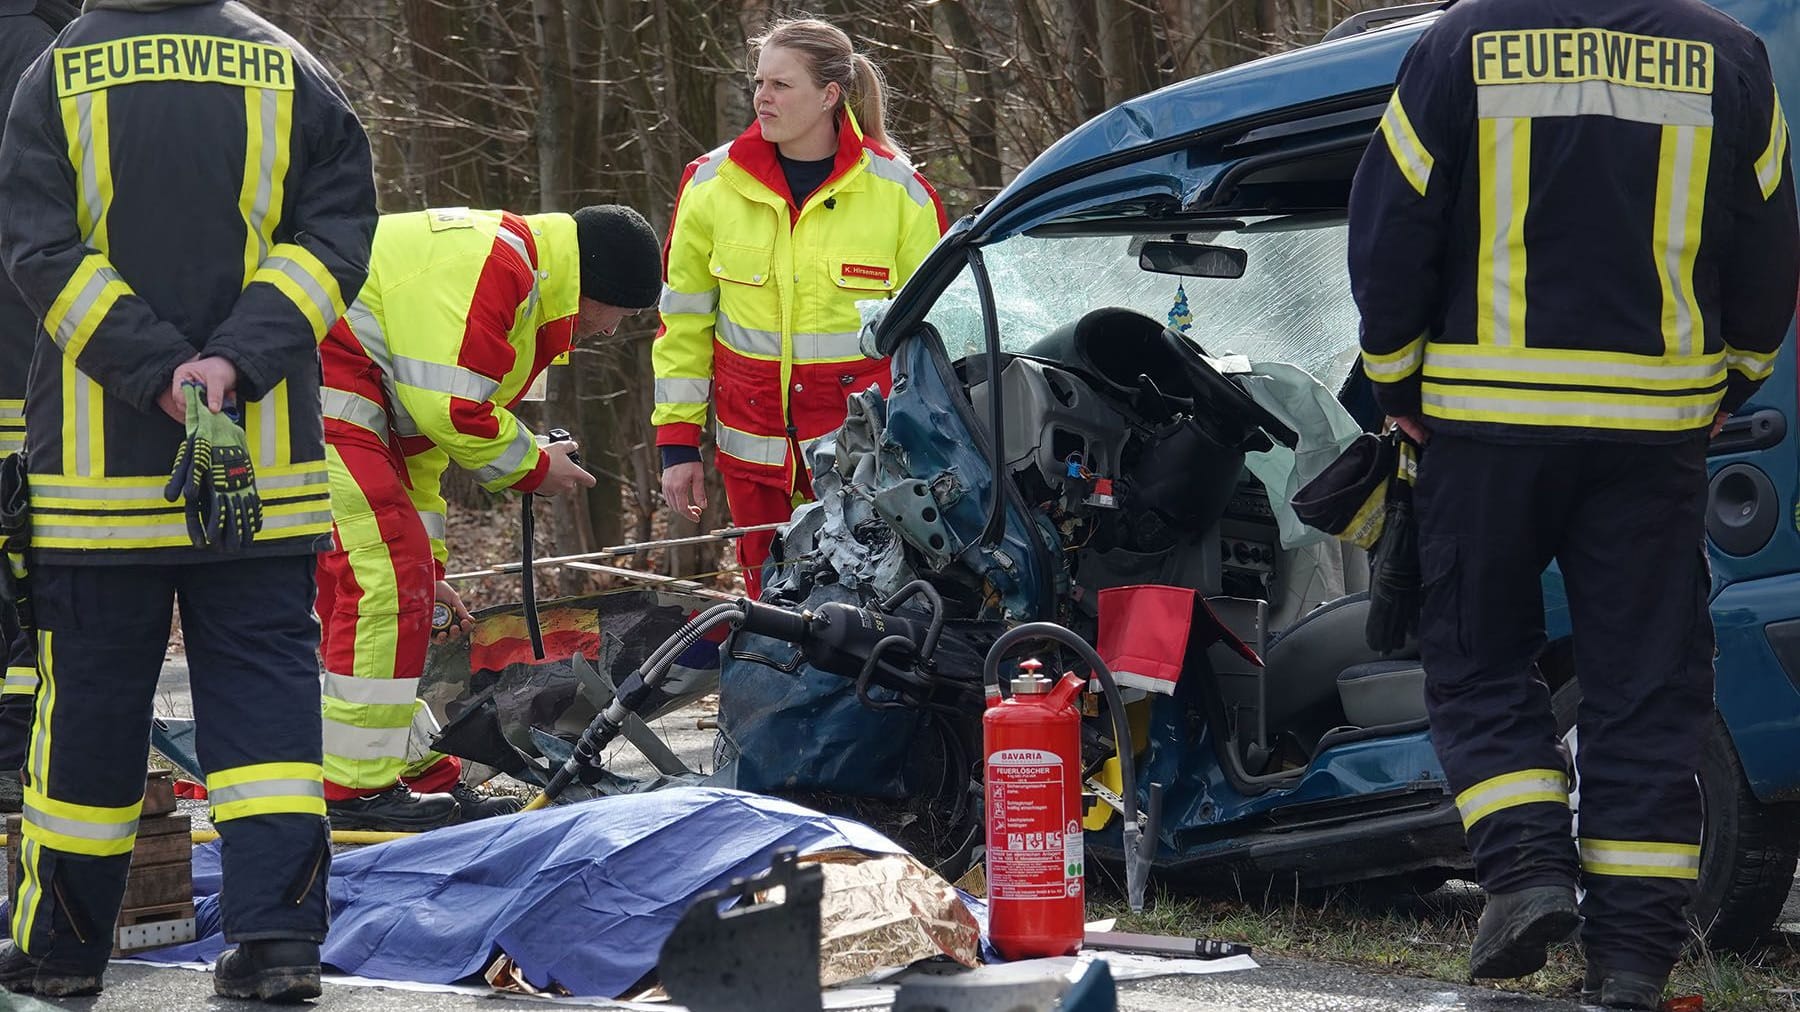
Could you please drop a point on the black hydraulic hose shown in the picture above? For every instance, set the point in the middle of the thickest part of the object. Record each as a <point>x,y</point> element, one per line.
<point>607,724</point>
<point>920,588</point>
<point>527,580</point>
<point>1137,872</point>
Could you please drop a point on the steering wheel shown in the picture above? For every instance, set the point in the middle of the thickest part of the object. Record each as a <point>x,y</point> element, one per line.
<point>1216,384</point>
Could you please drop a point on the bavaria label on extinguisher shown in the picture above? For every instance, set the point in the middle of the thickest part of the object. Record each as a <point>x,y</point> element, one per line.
<point>1036,847</point>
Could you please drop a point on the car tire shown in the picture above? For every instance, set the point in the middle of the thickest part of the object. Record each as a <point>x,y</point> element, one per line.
<point>1748,849</point>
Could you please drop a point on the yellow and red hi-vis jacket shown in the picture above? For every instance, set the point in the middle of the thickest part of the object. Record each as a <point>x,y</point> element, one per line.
<point>462,310</point>
<point>759,300</point>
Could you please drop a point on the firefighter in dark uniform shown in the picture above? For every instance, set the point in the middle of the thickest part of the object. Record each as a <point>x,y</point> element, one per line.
<point>1573,244</point>
<point>185,196</point>
<point>26,28</point>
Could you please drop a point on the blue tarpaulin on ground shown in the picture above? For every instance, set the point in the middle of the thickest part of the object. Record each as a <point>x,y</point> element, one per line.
<point>580,894</point>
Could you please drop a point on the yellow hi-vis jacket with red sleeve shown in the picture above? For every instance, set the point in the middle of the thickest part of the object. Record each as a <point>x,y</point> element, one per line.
<point>759,312</point>
<point>462,310</point>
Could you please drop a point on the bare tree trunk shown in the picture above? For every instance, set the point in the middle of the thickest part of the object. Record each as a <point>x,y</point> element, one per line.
<point>1128,48</point>
<point>1085,62</point>
<point>983,159</point>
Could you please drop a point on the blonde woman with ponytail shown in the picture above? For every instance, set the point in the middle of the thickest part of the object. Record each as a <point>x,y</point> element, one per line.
<point>776,236</point>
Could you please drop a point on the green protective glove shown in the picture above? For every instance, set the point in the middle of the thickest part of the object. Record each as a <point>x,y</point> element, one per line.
<point>213,470</point>
<point>190,477</point>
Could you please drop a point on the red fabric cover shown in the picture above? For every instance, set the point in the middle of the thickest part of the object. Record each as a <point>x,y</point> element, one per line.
<point>1144,634</point>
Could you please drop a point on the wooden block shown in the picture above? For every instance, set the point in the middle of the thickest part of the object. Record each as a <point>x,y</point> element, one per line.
<point>163,825</point>
<point>155,885</point>
<point>143,928</point>
<point>162,849</point>
<point>159,793</point>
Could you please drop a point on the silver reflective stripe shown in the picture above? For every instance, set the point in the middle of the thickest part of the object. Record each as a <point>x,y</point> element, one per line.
<point>369,691</point>
<point>1403,142</point>
<point>85,391</point>
<point>316,477</point>
<point>259,209</point>
<point>766,343</point>
<point>510,459</point>
<point>1773,161</point>
<point>268,421</point>
<point>369,334</point>
<point>769,450</point>
<point>354,409</point>
<point>710,168</point>
<point>842,345</point>
<point>90,166</point>
<point>347,741</point>
<point>1640,859</point>
<point>1501,250</point>
<point>1561,410</point>
<point>673,301</point>
<point>455,381</point>
<point>19,682</point>
<point>321,299</point>
<point>101,831</point>
<point>1680,191</point>
<point>899,172</point>
<point>84,303</point>
<point>284,521</point>
<point>12,411</point>
<point>1593,98</point>
<point>434,524</point>
<point>1750,364</point>
<point>1573,371</point>
<point>507,236</point>
<point>683,391</point>
<point>11,441</point>
<point>1510,790</point>
<point>1395,368</point>
<point>295,788</point>
<point>403,421</point>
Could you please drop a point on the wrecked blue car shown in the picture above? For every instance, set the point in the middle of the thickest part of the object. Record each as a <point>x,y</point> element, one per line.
<point>1115,374</point>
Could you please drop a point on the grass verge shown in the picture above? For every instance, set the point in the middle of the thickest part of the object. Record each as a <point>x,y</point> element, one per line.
<point>1428,936</point>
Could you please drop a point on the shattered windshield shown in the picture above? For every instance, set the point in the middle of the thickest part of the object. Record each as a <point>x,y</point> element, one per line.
<point>1292,305</point>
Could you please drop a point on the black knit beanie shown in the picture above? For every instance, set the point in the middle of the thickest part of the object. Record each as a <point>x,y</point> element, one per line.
<point>621,260</point>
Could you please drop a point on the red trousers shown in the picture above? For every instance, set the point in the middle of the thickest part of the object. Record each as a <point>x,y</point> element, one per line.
<point>753,503</point>
<point>376,590</point>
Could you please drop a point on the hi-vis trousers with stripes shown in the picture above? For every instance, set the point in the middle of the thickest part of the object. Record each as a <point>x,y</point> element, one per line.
<point>20,657</point>
<point>1624,522</point>
<point>253,667</point>
<point>376,588</point>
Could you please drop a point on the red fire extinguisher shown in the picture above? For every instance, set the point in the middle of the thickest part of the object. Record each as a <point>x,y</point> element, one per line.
<point>1033,775</point>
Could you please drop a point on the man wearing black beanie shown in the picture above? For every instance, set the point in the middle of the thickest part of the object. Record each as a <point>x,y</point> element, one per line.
<point>462,311</point>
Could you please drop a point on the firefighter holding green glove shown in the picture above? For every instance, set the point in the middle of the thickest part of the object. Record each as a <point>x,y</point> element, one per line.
<point>186,203</point>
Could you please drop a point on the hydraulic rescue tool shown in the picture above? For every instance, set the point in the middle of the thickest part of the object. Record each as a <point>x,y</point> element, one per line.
<point>878,648</point>
<point>874,646</point>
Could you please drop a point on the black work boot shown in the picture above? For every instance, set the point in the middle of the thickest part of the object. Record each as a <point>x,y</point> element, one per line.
<point>1516,927</point>
<point>21,973</point>
<point>395,810</point>
<point>472,804</point>
<point>275,971</point>
<point>1622,988</point>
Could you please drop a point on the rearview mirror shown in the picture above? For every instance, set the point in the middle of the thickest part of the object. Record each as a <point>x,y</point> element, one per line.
<point>1195,260</point>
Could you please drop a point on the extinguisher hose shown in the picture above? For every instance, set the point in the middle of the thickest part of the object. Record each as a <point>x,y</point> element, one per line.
<point>1138,848</point>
